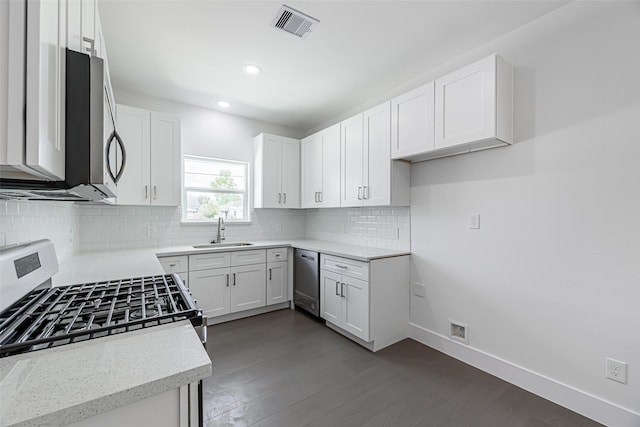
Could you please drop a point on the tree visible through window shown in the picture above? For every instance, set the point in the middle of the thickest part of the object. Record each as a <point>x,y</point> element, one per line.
<point>215,188</point>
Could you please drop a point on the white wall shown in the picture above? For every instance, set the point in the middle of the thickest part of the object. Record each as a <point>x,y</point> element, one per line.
<point>207,132</point>
<point>551,281</point>
<point>22,221</point>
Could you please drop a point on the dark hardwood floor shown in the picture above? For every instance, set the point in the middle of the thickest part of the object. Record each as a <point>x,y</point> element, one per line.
<point>285,369</point>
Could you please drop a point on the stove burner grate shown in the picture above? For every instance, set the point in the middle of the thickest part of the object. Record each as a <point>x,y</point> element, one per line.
<point>57,316</point>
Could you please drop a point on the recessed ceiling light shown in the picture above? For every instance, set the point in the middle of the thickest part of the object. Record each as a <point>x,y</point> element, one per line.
<point>224,104</point>
<point>251,69</point>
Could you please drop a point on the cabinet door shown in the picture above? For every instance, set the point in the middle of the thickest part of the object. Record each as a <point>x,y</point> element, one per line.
<point>165,160</point>
<point>12,81</point>
<point>211,288</point>
<point>311,156</point>
<point>290,173</point>
<point>248,287</point>
<point>45,82</point>
<point>377,155</point>
<point>412,122</point>
<point>355,307</point>
<point>271,171</point>
<point>277,282</point>
<point>352,159</point>
<point>133,125</point>
<point>330,298</point>
<point>74,25</point>
<point>88,28</point>
<point>466,104</point>
<point>330,191</point>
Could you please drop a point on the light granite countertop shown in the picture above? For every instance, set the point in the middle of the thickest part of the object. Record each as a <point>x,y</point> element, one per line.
<point>94,266</point>
<point>68,383</point>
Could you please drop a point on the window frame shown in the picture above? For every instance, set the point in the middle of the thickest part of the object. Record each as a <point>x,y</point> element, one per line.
<point>246,193</point>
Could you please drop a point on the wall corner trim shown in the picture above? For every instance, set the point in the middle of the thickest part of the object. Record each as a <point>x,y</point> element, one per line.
<point>578,401</point>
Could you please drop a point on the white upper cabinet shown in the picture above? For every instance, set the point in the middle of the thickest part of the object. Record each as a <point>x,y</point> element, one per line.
<point>466,110</point>
<point>370,177</point>
<point>165,160</point>
<point>84,29</point>
<point>12,82</point>
<point>277,171</point>
<point>45,83</point>
<point>320,158</point>
<point>353,158</point>
<point>474,105</point>
<point>152,172</point>
<point>412,122</point>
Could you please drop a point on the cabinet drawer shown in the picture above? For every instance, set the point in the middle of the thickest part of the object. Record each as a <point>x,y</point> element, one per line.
<point>346,266</point>
<point>248,257</point>
<point>277,254</point>
<point>211,260</point>
<point>174,264</point>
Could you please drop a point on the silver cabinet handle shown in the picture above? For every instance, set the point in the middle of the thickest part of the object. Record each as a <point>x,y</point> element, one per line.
<point>91,49</point>
<point>359,193</point>
<point>155,192</point>
<point>284,200</point>
<point>146,191</point>
<point>342,289</point>
<point>277,255</point>
<point>234,279</point>
<point>365,192</point>
<point>337,284</point>
<point>172,265</point>
<point>320,194</point>
<point>317,197</point>
<point>341,266</point>
<point>227,280</point>
<point>279,198</point>
<point>269,274</point>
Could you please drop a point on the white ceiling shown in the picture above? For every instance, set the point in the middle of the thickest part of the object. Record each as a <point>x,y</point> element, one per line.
<point>193,51</point>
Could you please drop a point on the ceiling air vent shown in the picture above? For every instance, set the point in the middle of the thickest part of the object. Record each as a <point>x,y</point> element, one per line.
<point>294,22</point>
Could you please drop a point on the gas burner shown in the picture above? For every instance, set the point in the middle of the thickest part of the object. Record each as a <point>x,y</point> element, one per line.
<point>51,317</point>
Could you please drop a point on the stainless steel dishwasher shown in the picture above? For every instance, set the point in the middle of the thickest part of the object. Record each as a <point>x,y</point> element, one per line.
<point>306,284</point>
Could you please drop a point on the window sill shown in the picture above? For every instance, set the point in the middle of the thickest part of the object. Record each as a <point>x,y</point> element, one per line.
<point>215,223</point>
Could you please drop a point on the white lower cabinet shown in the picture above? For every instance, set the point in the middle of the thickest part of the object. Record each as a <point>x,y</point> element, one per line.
<point>366,301</point>
<point>345,303</point>
<point>277,282</point>
<point>167,409</point>
<point>211,289</point>
<point>248,289</point>
<point>240,281</point>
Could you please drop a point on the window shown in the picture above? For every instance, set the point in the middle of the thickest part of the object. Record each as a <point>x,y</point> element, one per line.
<point>215,188</point>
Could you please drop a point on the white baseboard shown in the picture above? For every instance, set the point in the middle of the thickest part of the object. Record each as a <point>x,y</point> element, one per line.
<point>578,401</point>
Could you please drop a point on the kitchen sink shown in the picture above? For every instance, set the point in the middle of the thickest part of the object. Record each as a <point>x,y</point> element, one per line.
<point>220,245</point>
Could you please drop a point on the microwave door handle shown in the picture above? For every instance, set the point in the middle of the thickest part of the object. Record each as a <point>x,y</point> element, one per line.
<point>115,178</point>
<point>107,151</point>
<point>124,157</point>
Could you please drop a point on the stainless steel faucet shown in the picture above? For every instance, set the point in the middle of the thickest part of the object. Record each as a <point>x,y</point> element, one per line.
<point>220,234</point>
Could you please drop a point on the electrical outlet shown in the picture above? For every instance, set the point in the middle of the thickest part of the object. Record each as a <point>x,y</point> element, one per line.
<point>616,370</point>
<point>149,230</point>
<point>474,221</point>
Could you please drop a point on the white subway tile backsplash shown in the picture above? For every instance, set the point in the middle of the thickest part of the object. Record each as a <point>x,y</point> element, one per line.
<point>22,221</point>
<point>74,227</point>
